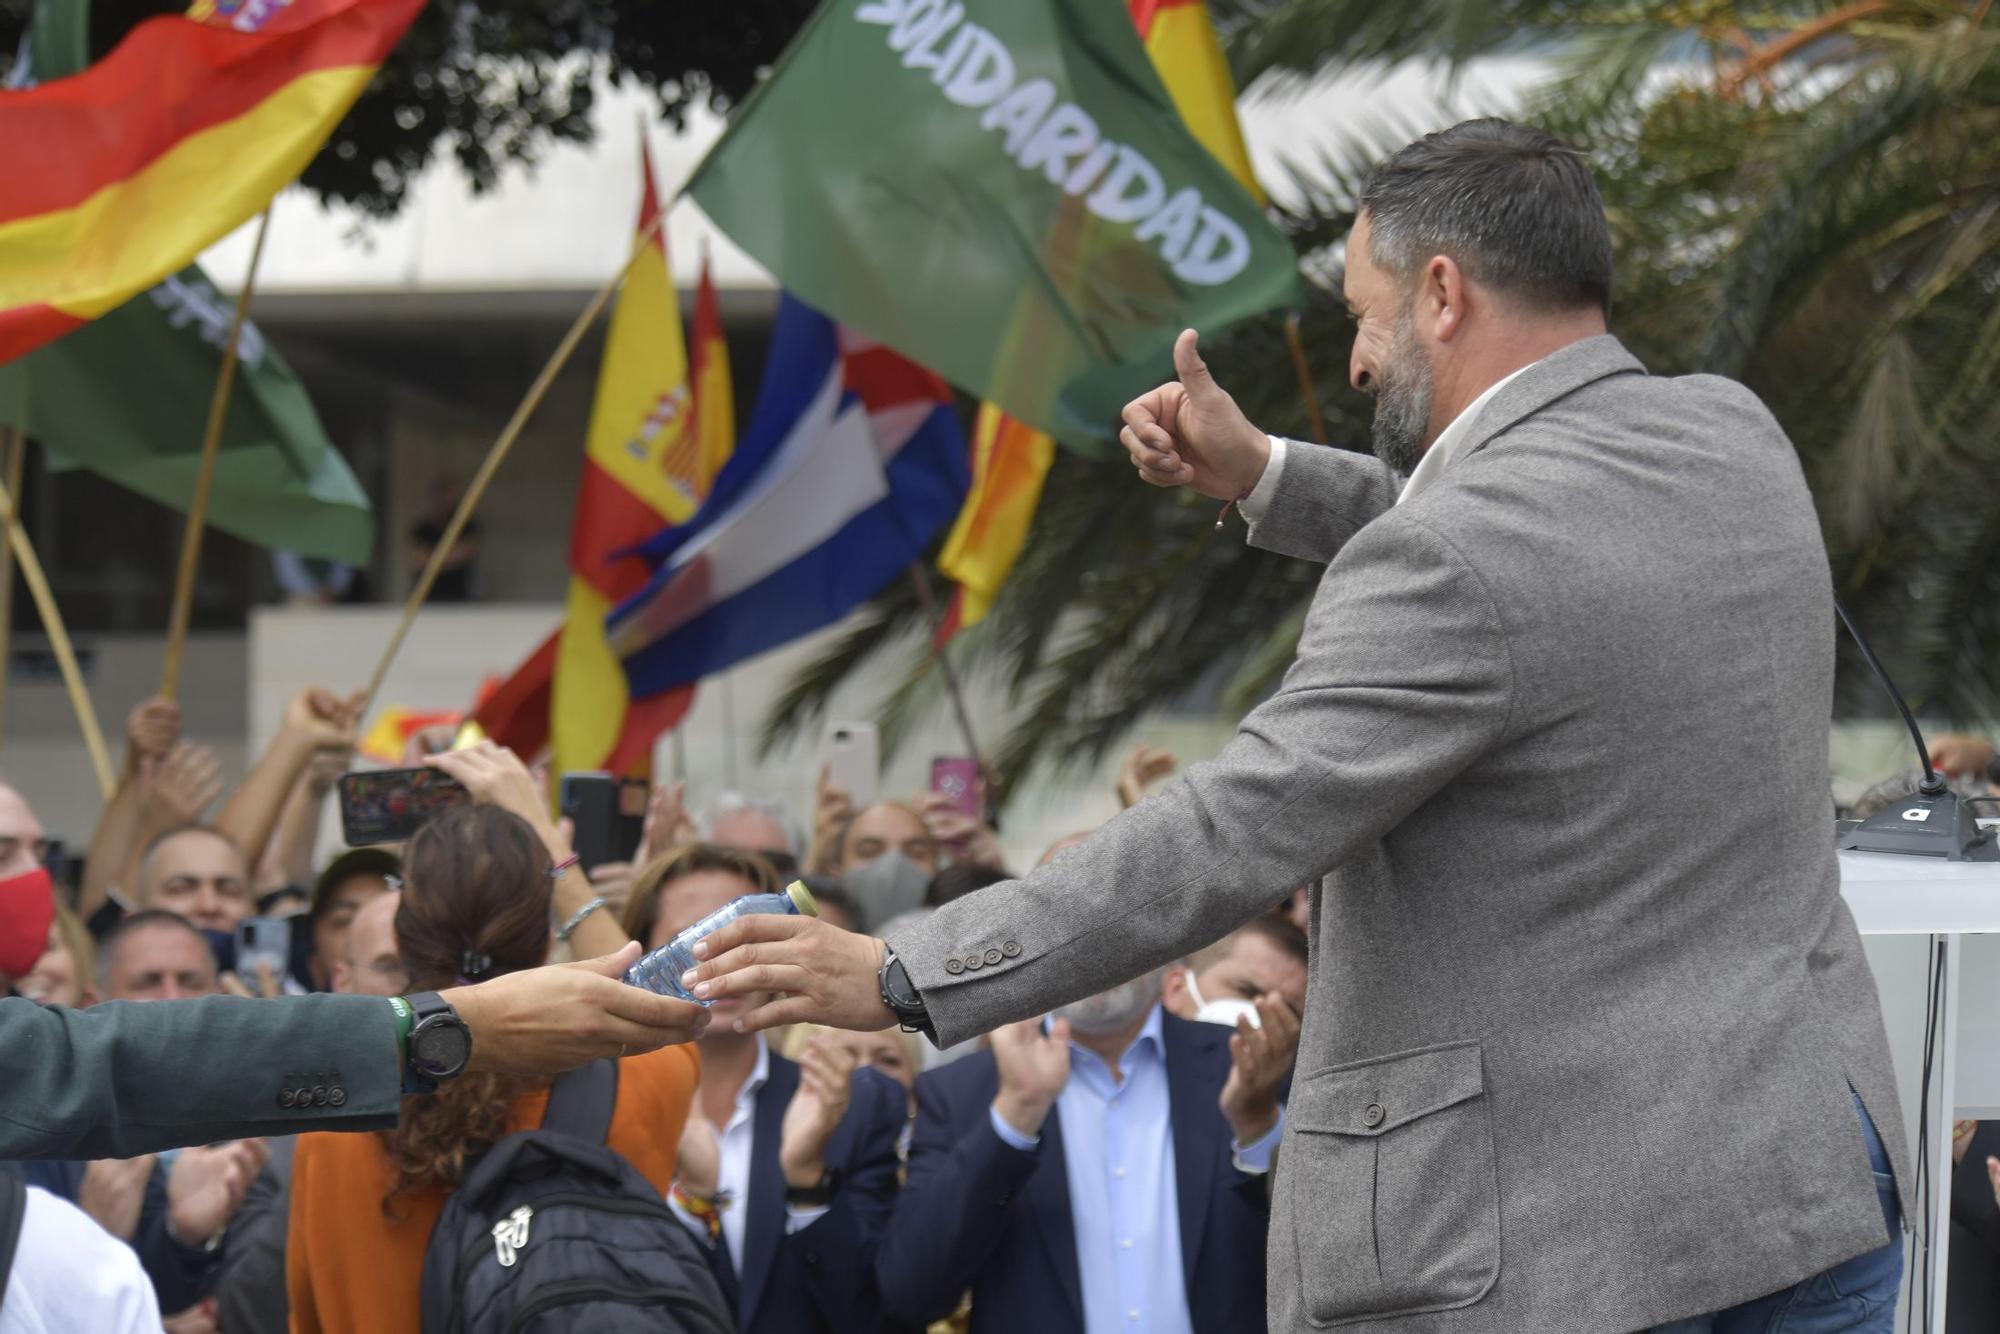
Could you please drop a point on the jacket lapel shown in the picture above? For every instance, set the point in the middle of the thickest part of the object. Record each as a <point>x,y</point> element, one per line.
<point>1556,376</point>
<point>764,1225</point>
<point>1048,1198</point>
<point>1191,1114</point>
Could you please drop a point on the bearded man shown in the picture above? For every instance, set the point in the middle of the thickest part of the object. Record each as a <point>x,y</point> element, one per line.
<point>1590,1044</point>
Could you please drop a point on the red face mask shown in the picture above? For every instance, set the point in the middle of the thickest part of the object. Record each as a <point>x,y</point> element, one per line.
<point>27,906</point>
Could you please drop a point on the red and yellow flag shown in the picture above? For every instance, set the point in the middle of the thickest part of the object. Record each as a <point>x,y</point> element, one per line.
<point>120,175</point>
<point>1010,461</point>
<point>659,432</point>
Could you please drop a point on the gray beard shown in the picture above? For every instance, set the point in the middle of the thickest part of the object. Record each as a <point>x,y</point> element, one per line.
<point>1403,403</point>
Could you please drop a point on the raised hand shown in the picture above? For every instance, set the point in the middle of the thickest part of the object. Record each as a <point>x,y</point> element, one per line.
<point>668,824</point>
<point>207,1185</point>
<point>114,1191</point>
<point>152,728</point>
<point>1259,1057</point>
<point>1189,432</point>
<point>1034,1070</point>
<point>826,1084</point>
<point>833,807</point>
<point>181,785</point>
<point>324,718</point>
<point>496,777</point>
<point>967,839</point>
<point>1142,768</point>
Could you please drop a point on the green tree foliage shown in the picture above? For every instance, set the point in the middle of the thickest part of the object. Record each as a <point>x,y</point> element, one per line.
<point>1805,197</point>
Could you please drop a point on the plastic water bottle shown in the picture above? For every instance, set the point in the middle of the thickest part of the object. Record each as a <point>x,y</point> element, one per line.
<point>662,970</point>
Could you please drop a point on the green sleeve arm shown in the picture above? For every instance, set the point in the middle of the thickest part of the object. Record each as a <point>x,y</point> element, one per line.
<point>127,1078</point>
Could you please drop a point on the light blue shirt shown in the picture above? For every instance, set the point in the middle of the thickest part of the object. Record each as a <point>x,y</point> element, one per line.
<point>1118,1150</point>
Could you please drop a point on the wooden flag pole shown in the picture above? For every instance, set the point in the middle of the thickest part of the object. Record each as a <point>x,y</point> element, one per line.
<point>52,625</point>
<point>16,459</point>
<point>204,480</point>
<point>498,454</point>
<point>922,584</point>
<point>1307,394</point>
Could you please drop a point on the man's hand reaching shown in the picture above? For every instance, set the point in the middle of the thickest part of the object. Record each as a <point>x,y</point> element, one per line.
<point>821,974</point>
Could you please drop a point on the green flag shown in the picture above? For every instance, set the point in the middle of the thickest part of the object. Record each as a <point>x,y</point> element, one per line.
<point>1001,190</point>
<point>127,394</point>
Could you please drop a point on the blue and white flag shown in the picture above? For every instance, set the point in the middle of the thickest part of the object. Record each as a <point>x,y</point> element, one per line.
<point>853,461</point>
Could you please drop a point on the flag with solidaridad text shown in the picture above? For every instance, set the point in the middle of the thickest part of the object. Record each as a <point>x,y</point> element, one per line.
<point>1001,190</point>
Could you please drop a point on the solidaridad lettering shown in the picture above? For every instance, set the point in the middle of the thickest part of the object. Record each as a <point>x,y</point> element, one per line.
<point>974,69</point>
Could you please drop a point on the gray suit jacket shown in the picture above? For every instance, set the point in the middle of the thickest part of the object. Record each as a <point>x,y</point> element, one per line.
<point>127,1078</point>
<point>1585,1001</point>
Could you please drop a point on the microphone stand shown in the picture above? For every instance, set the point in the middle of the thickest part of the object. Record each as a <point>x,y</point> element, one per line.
<point>1935,822</point>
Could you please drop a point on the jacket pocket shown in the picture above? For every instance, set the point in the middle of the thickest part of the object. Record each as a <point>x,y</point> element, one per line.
<point>1395,1198</point>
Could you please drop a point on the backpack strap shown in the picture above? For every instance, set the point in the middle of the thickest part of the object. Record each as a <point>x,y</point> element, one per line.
<point>13,1207</point>
<point>581,1100</point>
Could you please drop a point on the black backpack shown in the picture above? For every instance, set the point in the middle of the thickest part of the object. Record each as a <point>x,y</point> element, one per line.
<point>13,1208</point>
<point>553,1232</point>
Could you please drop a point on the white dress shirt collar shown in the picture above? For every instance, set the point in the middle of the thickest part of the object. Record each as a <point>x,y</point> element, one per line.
<point>1451,442</point>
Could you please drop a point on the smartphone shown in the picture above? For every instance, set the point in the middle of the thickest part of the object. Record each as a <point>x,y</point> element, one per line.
<point>609,814</point>
<point>263,940</point>
<point>957,777</point>
<point>389,805</point>
<point>853,754</point>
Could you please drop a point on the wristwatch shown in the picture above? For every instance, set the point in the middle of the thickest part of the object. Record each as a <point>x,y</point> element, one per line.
<point>900,995</point>
<point>816,1196</point>
<point>440,1043</point>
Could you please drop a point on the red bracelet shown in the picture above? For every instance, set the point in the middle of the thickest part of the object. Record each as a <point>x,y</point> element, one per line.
<point>556,871</point>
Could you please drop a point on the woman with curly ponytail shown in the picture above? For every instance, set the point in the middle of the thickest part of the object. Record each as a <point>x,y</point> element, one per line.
<point>476,904</point>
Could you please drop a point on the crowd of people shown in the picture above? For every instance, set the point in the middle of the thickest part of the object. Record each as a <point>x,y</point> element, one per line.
<point>1104,1168</point>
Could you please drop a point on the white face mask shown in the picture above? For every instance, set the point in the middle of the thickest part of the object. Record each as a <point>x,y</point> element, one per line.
<point>1223,1009</point>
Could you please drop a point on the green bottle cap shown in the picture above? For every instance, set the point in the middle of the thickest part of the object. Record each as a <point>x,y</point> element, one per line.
<point>802,898</point>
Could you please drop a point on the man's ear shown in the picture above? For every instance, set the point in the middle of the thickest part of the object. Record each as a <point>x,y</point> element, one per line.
<point>1441,299</point>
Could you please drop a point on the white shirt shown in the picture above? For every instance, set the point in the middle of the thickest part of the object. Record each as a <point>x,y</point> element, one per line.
<point>70,1274</point>
<point>1443,452</point>
<point>738,1138</point>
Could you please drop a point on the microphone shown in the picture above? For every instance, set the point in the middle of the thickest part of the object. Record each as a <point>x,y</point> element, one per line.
<point>1935,822</point>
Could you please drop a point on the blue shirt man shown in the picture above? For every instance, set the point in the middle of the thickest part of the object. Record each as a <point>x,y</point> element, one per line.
<point>1139,1205</point>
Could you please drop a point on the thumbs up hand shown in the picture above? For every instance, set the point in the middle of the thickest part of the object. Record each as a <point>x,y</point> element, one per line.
<point>1189,432</point>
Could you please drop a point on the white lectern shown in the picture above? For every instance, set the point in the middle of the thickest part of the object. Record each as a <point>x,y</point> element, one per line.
<point>1910,910</point>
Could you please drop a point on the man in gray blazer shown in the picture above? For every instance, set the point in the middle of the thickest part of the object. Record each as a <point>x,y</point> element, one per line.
<point>1588,1032</point>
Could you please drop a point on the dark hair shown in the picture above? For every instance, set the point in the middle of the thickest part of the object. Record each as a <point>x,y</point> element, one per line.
<point>475,905</point>
<point>131,924</point>
<point>1288,938</point>
<point>352,864</point>
<point>958,880</point>
<point>1515,208</point>
<point>642,907</point>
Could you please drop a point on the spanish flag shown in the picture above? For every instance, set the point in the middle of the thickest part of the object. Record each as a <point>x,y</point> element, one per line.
<point>120,175</point>
<point>640,472</point>
<point>1011,461</point>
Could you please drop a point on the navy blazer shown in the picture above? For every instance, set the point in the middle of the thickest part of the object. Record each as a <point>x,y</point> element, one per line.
<point>820,1279</point>
<point>978,1214</point>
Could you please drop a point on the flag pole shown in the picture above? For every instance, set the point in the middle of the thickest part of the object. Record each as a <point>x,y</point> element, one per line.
<point>52,624</point>
<point>1307,394</point>
<point>204,478</point>
<point>929,605</point>
<point>16,460</point>
<point>497,455</point>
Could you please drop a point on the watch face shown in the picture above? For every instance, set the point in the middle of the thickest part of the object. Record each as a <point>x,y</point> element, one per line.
<point>439,1046</point>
